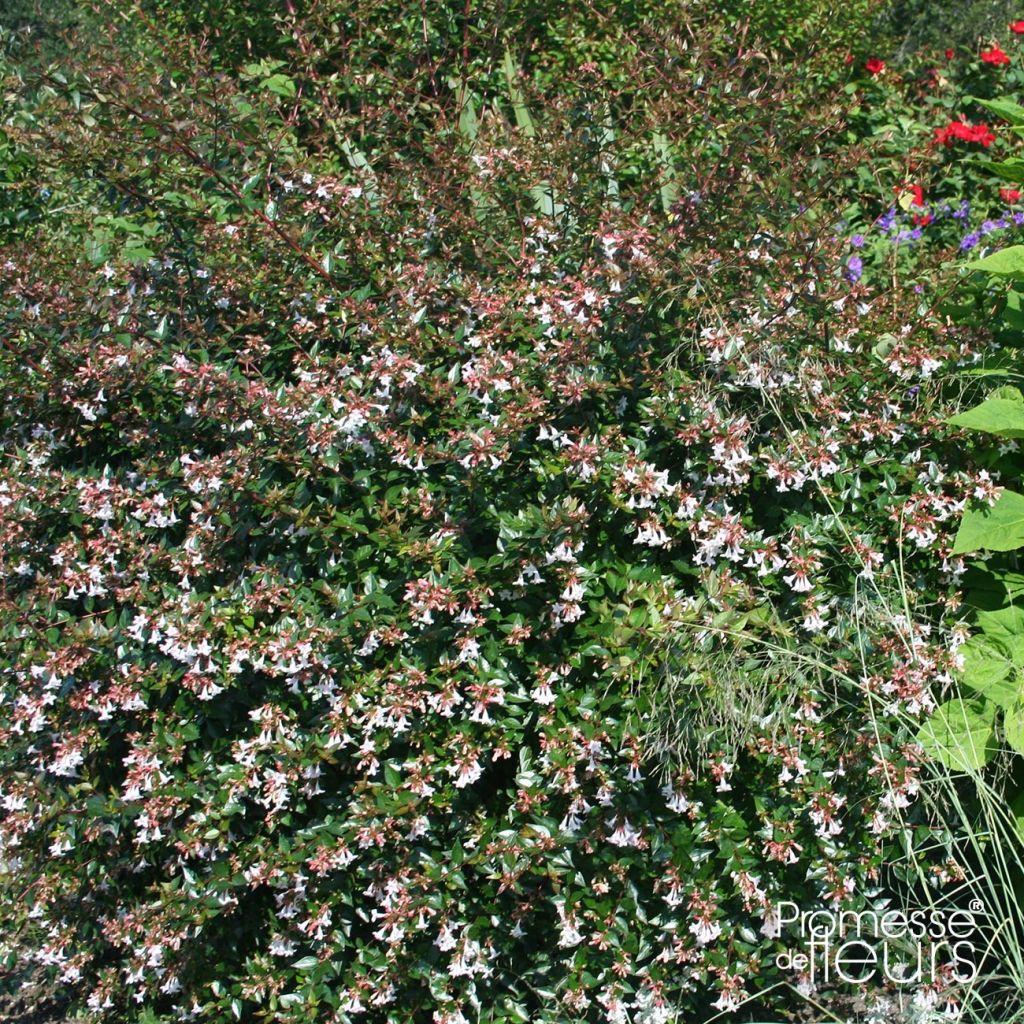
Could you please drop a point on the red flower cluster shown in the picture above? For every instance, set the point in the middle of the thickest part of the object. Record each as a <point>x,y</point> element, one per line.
<point>949,53</point>
<point>1010,195</point>
<point>995,56</point>
<point>874,66</point>
<point>1017,27</point>
<point>965,132</point>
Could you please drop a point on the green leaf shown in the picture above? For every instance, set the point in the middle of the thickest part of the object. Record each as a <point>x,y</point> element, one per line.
<point>135,252</point>
<point>1013,727</point>
<point>959,734</point>
<point>1004,108</point>
<point>1008,170</point>
<point>989,670</point>
<point>669,187</point>
<point>999,586</point>
<point>1017,807</point>
<point>307,963</point>
<point>1005,624</point>
<point>1002,414</point>
<point>1008,262</point>
<point>468,122</point>
<point>885,344</point>
<point>522,114</point>
<point>999,528</point>
<point>263,67</point>
<point>1013,316</point>
<point>545,200</point>
<point>280,85</point>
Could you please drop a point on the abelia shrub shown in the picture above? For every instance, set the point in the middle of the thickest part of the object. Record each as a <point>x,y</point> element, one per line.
<point>355,488</point>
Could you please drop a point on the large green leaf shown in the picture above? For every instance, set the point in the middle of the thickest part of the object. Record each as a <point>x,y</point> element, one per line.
<point>1013,727</point>
<point>1013,316</point>
<point>1005,624</point>
<point>1002,414</point>
<point>1008,170</point>
<point>1006,109</point>
<point>990,588</point>
<point>998,528</point>
<point>990,671</point>
<point>1008,262</point>
<point>959,734</point>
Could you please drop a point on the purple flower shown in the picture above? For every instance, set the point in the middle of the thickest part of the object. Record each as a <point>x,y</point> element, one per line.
<point>857,241</point>
<point>887,220</point>
<point>961,214</point>
<point>970,241</point>
<point>854,268</point>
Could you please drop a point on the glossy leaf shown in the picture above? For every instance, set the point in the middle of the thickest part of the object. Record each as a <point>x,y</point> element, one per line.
<point>996,528</point>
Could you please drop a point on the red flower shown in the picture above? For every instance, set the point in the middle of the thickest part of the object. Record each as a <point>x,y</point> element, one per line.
<point>848,59</point>
<point>922,219</point>
<point>949,53</point>
<point>1017,27</point>
<point>980,133</point>
<point>994,56</point>
<point>918,195</point>
<point>874,66</point>
<point>1010,195</point>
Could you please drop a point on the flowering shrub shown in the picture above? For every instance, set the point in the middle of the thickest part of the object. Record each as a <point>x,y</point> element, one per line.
<point>378,443</point>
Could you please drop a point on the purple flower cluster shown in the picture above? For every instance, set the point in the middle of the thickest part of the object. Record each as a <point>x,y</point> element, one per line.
<point>887,221</point>
<point>991,227</point>
<point>891,225</point>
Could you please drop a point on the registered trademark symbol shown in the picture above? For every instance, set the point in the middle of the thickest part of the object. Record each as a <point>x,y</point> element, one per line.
<point>977,906</point>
